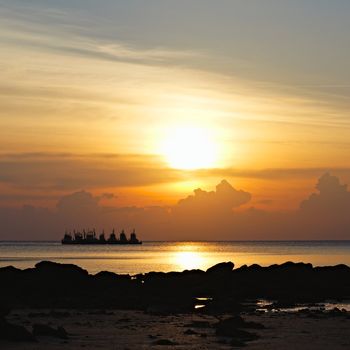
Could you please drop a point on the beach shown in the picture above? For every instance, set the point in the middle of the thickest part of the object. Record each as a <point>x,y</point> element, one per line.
<point>122,330</point>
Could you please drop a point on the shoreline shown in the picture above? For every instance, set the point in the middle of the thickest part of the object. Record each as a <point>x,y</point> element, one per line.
<point>61,305</point>
<point>168,257</point>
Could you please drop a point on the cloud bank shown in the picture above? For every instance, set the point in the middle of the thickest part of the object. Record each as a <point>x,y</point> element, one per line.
<point>205,215</point>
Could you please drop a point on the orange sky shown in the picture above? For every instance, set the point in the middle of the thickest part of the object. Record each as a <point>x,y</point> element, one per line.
<point>150,102</point>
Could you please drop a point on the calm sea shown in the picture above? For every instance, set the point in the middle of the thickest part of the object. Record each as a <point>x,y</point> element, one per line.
<point>174,256</point>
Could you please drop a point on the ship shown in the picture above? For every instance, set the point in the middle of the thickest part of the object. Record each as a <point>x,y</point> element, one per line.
<point>90,237</point>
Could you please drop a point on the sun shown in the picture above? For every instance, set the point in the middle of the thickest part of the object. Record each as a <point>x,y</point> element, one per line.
<point>190,148</point>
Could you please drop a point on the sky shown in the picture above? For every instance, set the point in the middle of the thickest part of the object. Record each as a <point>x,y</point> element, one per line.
<point>130,106</point>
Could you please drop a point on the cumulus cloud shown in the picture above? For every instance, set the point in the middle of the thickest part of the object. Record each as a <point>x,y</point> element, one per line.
<point>205,215</point>
<point>225,197</point>
<point>108,195</point>
<point>79,201</point>
<point>333,197</point>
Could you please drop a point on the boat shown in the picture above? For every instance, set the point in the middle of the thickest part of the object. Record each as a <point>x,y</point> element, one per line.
<point>90,237</point>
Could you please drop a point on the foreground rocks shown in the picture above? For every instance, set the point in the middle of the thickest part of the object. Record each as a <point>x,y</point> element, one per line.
<point>52,285</point>
<point>48,331</point>
<point>16,333</point>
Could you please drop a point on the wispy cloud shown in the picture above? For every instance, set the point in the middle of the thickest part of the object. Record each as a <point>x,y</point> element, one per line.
<point>274,173</point>
<point>64,171</point>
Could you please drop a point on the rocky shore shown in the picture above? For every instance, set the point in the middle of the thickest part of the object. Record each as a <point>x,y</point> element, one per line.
<point>53,305</point>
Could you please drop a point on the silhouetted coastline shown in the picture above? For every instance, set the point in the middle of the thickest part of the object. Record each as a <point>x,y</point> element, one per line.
<point>221,292</point>
<point>51,284</point>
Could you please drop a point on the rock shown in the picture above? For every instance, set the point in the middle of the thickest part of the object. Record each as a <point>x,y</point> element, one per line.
<point>37,314</point>
<point>239,322</point>
<point>222,305</point>
<point>62,333</point>
<point>190,332</point>
<point>12,332</point>
<point>61,286</point>
<point>237,343</point>
<point>224,267</point>
<point>164,342</point>
<point>57,268</point>
<point>231,327</point>
<point>336,312</point>
<point>48,331</point>
<point>238,334</point>
<point>59,314</point>
<point>170,305</point>
<point>4,311</point>
<point>101,312</point>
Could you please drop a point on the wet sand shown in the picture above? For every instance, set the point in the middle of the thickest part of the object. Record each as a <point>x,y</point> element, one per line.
<point>133,330</point>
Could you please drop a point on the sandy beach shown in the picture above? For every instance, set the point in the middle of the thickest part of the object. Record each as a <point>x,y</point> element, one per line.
<point>133,330</point>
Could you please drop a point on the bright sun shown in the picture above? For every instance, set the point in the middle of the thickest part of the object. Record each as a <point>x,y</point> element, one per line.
<point>190,148</point>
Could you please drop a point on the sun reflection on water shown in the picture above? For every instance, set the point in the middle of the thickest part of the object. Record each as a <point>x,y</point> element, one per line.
<point>187,257</point>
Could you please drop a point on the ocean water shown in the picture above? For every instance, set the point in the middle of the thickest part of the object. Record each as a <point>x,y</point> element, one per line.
<point>174,256</point>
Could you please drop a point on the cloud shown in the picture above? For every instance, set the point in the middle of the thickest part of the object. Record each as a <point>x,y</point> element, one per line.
<point>65,171</point>
<point>79,201</point>
<point>333,197</point>
<point>57,31</point>
<point>273,173</point>
<point>108,195</point>
<point>225,197</point>
<point>205,215</point>
<point>62,171</point>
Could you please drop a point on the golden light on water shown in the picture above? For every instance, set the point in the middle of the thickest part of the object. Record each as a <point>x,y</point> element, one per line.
<point>190,148</point>
<point>188,260</point>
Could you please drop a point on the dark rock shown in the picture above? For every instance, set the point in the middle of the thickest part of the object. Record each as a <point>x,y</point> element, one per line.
<point>60,286</point>
<point>235,333</point>
<point>231,327</point>
<point>53,267</point>
<point>14,332</point>
<point>164,342</point>
<point>37,314</point>
<point>62,333</point>
<point>221,305</point>
<point>101,312</point>
<point>239,322</point>
<point>283,304</point>
<point>45,330</point>
<point>190,332</point>
<point>59,314</point>
<point>336,312</point>
<point>224,267</point>
<point>237,343</point>
<point>170,305</point>
<point>4,311</point>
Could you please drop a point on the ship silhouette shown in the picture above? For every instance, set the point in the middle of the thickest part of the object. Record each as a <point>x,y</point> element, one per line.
<point>90,237</point>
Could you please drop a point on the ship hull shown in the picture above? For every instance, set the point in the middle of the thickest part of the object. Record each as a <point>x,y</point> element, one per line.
<point>100,243</point>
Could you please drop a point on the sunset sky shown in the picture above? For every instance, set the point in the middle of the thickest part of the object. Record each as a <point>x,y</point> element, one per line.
<point>141,102</point>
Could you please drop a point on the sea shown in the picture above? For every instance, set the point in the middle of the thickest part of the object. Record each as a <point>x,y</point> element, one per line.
<point>174,256</point>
